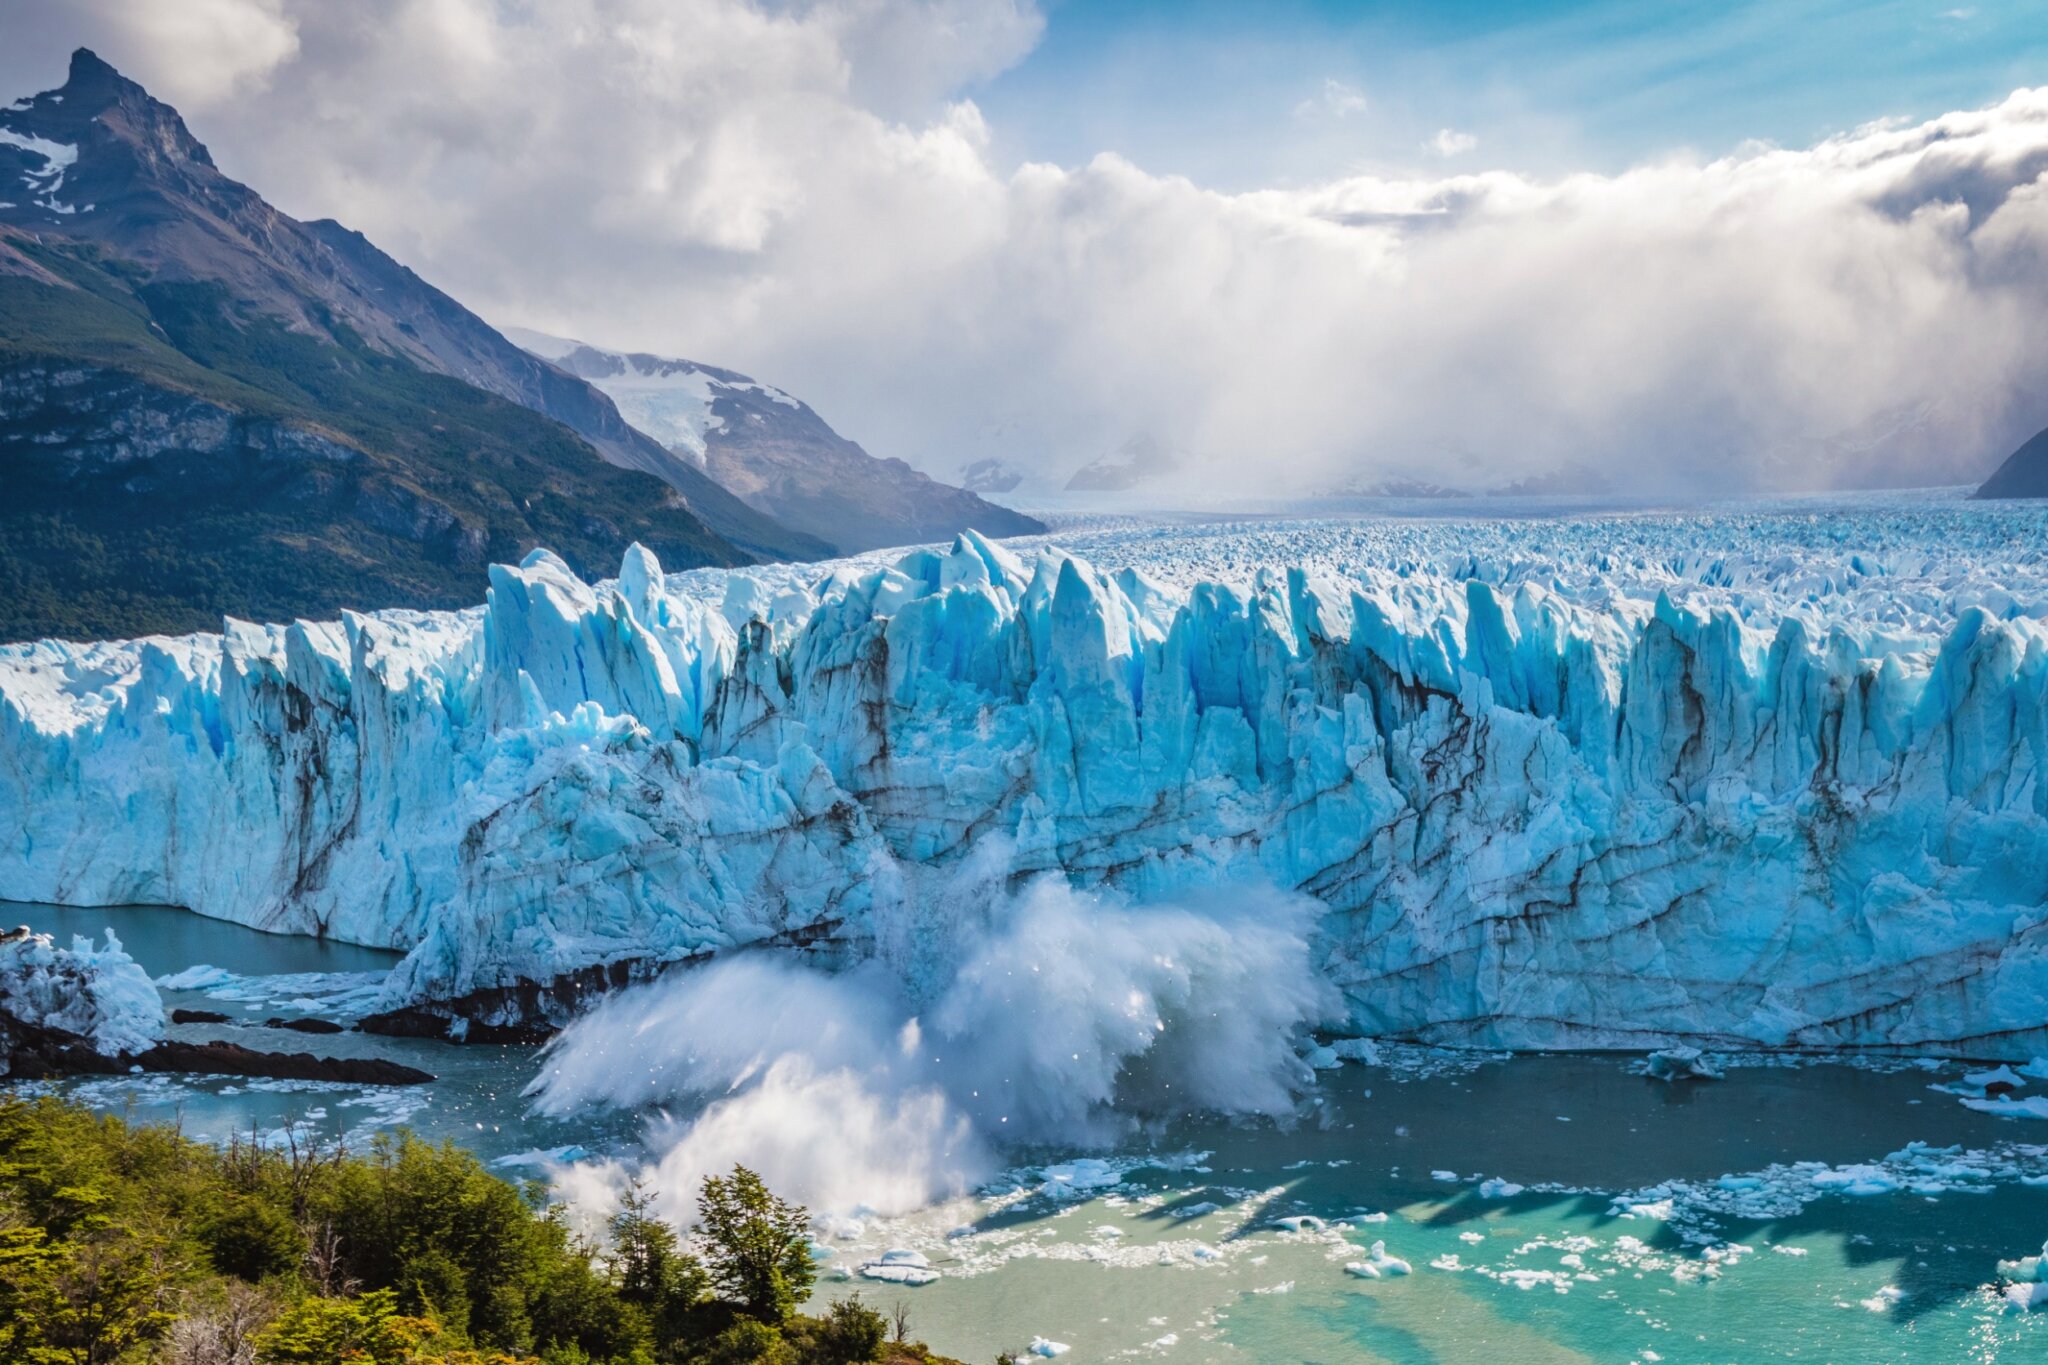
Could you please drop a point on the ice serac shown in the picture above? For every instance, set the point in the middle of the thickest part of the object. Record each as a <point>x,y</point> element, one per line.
<point>1533,814</point>
<point>93,995</point>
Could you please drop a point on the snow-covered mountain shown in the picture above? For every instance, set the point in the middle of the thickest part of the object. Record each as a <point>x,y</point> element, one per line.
<point>775,453</point>
<point>1761,778</point>
<point>1141,461</point>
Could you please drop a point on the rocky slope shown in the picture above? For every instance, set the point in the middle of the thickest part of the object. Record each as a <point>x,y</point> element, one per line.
<point>776,453</point>
<point>207,406</point>
<point>2023,475</point>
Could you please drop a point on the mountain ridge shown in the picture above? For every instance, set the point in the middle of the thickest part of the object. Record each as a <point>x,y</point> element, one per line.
<point>208,407</point>
<point>776,453</point>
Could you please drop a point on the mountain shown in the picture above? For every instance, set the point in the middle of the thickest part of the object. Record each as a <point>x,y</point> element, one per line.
<point>208,407</point>
<point>1138,460</point>
<point>990,476</point>
<point>2024,473</point>
<point>776,453</point>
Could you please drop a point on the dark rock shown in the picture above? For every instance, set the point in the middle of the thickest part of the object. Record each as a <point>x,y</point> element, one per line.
<point>526,1012</point>
<point>34,1052</point>
<point>199,1017</point>
<point>306,1025</point>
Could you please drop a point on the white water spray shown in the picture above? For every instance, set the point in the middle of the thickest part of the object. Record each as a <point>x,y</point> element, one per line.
<point>1068,1020</point>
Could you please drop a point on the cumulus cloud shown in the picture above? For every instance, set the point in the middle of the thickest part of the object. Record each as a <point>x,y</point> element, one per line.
<point>804,191</point>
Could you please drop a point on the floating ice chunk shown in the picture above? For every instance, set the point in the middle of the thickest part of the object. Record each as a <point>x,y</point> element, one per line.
<point>2005,1107</point>
<point>1300,1222</point>
<point>1860,1180</point>
<point>1443,1175</point>
<point>202,977</point>
<point>2004,1075</point>
<point>1079,1178</point>
<point>1497,1188</point>
<point>1196,1210</point>
<point>1883,1299</point>
<point>1682,1063</point>
<point>1042,1346</point>
<point>1378,1264</point>
<point>1360,1219</point>
<point>900,1266</point>
<point>1284,1287</point>
<point>1448,1261</point>
<point>1357,1050</point>
<point>1475,1238</point>
<point>2036,1069</point>
<point>2029,1275</point>
<point>1526,1279</point>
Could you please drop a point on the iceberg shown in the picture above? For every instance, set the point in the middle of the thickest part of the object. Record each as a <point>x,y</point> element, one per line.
<point>2028,1281</point>
<point>1606,784</point>
<point>98,994</point>
<point>1378,1264</point>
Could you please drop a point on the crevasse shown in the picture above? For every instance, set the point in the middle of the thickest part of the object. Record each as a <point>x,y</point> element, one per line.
<point>1530,820</point>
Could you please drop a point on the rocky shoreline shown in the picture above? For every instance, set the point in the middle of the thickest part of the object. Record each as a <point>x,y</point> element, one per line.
<point>34,1052</point>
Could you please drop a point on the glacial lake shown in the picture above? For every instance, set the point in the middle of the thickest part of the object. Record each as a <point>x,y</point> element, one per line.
<point>1558,1207</point>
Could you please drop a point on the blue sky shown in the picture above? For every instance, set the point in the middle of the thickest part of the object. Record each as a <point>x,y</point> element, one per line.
<point>1238,95</point>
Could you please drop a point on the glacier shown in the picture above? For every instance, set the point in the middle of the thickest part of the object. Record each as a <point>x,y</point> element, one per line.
<point>1766,776</point>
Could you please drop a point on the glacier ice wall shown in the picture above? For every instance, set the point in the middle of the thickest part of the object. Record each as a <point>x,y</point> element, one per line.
<point>1550,808</point>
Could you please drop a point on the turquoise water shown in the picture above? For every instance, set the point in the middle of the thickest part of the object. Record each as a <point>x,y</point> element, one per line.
<point>1176,1253</point>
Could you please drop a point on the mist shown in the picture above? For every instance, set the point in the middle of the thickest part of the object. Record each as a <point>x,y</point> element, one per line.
<point>1069,1021</point>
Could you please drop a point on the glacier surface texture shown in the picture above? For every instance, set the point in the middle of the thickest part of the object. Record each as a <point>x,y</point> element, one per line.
<point>1768,776</point>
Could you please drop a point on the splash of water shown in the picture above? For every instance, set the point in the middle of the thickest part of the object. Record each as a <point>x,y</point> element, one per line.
<point>1065,1017</point>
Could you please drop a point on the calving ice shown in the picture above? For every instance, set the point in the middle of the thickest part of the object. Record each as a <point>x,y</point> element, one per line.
<point>1591,784</point>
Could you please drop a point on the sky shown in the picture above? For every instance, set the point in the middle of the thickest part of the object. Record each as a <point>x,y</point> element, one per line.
<point>1675,248</point>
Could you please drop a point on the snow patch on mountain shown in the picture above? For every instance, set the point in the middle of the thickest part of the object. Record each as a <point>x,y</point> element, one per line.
<point>670,400</point>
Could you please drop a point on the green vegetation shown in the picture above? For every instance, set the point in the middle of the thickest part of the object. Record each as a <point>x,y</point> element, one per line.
<point>126,1244</point>
<point>200,458</point>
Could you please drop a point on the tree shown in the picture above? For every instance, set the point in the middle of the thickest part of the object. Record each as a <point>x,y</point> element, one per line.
<point>850,1332</point>
<point>368,1329</point>
<point>79,1303</point>
<point>757,1246</point>
<point>649,1267</point>
<point>251,1240</point>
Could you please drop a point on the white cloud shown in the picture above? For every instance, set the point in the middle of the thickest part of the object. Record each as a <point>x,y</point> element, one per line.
<point>1450,142</point>
<point>1337,100</point>
<point>802,193</point>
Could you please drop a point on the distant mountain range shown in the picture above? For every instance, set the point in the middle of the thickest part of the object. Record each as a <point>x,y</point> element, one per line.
<point>208,407</point>
<point>778,455</point>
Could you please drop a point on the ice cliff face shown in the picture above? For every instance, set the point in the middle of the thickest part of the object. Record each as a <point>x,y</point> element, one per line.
<point>1605,788</point>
